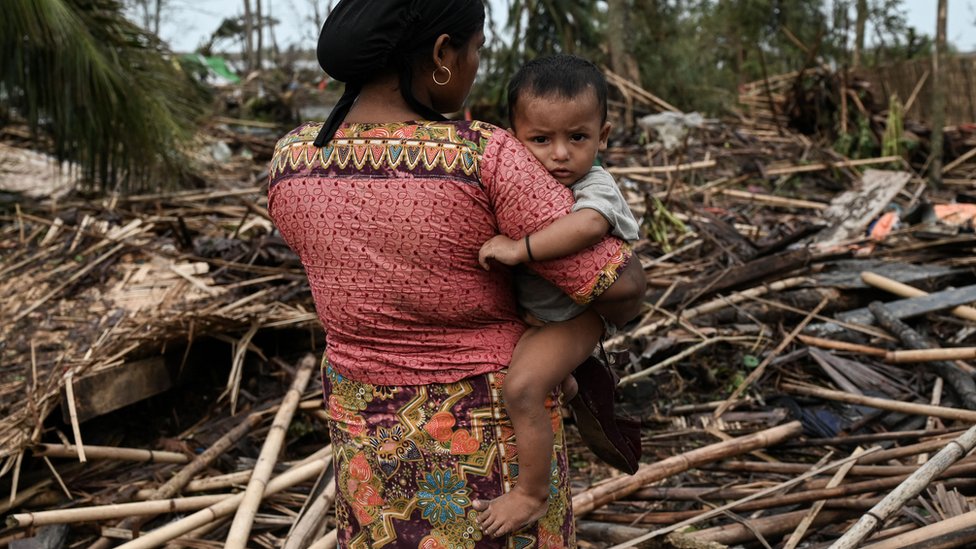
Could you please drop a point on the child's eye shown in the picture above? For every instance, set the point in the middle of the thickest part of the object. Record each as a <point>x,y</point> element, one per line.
<point>578,137</point>
<point>539,139</point>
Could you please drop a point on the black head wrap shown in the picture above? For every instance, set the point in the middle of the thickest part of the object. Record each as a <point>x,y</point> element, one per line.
<point>362,38</point>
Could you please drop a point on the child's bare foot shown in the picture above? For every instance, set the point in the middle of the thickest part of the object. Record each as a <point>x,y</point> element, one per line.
<point>509,512</point>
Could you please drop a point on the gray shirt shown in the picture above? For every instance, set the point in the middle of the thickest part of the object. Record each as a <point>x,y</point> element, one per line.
<point>598,191</point>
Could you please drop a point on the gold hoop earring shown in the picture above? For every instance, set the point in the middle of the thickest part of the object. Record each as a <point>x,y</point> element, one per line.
<point>434,76</point>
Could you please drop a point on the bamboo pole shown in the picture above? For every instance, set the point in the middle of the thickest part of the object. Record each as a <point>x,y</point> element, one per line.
<point>701,164</point>
<point>819,166</point>
<point>908,489</point>
<point>931,355</point>
<point>801,529</point>
<point>114,511</point>
<point>841,346</point>
<point>311,519</point>
<point>109,452</point>
<point>206,484</point>
<point>666,518</point>
<point>965,521</point>
<point>959,161</point>
<point>831,497</point>
<point>719,510</point>
<point>961,383</point>
<point>942,412</point>
<point>904,290</point>
<point>179,481</point>
<point>69,392</point>
<point>715,305</point>
<point>328,541</point>
<point>965,467</point>
<point>732,534</point>
<point>293,476</point>
<point>870,437</point>
<point>240,528</point>
<point>773,200</point>
<point>649,472</point>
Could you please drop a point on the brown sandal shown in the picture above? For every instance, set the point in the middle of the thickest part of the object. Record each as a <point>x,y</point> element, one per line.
<point>614,439</point>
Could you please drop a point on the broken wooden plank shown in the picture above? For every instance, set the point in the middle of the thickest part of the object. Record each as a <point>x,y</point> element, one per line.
<point>914,306</point>
<point>109,389</point>
<point>846,273</point>
<point>850,212</point>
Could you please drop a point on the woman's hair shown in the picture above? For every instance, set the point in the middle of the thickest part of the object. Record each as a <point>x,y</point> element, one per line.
<point>563,76</point>
<point>362,39</point>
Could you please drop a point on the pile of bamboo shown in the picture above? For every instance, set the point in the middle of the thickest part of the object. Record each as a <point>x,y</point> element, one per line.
<point>99,284</point>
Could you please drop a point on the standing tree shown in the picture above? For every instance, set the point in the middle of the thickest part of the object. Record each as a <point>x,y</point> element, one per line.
<point>259,29</point>
<point>248,53</point>
<point>938,95</point>
<point>862,18</point>
<point>149,12</point>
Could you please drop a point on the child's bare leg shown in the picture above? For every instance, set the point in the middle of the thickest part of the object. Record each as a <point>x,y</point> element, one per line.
<point>543,358</point>
<point>567,387</point>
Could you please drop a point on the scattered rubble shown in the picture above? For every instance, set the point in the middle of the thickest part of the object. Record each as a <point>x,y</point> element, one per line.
<point>802,354</point>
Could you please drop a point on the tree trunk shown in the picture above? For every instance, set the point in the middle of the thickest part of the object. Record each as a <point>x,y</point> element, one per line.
<point>157,16</point>
<point>248,53</point>
<point>862,17</point>
<point>259,29</point>
<point>938,96</point>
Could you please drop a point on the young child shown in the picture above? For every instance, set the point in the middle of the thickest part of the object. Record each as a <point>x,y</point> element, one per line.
<point>558,109</point>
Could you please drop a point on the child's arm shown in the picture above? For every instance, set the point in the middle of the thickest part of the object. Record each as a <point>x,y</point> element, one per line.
<point>567,235</point>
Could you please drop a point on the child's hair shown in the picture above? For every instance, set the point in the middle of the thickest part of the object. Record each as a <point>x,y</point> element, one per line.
<point>560,75</point>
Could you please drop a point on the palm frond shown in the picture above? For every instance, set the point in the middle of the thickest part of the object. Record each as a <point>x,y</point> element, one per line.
<point>105,91</point>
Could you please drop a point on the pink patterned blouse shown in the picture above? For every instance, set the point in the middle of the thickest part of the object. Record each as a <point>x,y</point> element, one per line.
<point>388,219</point>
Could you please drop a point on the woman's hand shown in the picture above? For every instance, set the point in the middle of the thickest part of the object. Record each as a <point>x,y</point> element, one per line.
<point>621,302</point>
<point>503,250</point>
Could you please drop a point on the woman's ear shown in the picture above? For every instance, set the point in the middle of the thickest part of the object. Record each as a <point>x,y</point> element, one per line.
<point>441,51</point>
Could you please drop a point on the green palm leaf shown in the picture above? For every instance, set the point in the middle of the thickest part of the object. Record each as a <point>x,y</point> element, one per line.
<point>103,90</point>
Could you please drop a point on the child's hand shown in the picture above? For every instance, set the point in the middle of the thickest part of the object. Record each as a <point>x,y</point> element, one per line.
<point>503,250</point>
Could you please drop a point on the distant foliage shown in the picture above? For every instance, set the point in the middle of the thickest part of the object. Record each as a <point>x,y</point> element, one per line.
<point>696,53</point>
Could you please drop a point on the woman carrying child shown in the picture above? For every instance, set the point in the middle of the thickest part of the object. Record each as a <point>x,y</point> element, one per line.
<point>387,205</point>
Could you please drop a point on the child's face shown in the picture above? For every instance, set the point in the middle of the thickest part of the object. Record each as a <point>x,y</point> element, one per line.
<point>564,134</point>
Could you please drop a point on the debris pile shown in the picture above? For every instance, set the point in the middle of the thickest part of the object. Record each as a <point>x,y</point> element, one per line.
<point>800,360</point>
